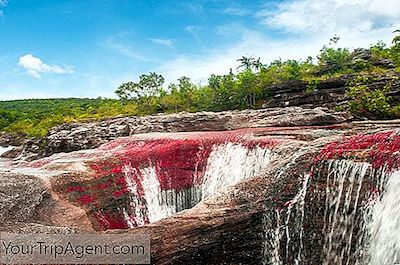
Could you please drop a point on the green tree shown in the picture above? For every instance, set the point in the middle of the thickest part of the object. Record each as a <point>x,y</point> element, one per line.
<point>250,63</point>
<point>185,85</point>
<point>333,60</point>
<point>126,90</point>
<point>396,39</point>
<point>370,102</point>
<point>249,88</point>
<point>258,65</point>
<point>180,96</point>
<point>246,63</point>
<point>149,85</point>
<point>146,92</point>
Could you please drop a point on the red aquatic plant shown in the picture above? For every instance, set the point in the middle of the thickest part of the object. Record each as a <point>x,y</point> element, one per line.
<point>380,149</point>
<point>118,171</point>
<point>86,199</point>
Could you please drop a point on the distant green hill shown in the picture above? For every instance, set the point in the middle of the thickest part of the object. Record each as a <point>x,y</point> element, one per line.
<point>35,116</point>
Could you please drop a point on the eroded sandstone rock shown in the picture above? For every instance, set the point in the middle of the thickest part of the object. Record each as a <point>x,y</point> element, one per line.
<point>280,212</point>
<point>329,93</point>
<point>78,136</point>
<point>20,195</point>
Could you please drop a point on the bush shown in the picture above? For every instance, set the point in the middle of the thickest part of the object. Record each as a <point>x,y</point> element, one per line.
<point>312,85</point>
<point>331,60</point>
<point>380,50</point>
<point>368,102</point>
<point>395,111</point>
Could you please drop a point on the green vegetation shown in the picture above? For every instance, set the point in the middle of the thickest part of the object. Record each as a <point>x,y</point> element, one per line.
<point>396,40</point>
<point>368,102</point>
<point>312,85</point>
<point>35,116</point>
<point>246,89</point>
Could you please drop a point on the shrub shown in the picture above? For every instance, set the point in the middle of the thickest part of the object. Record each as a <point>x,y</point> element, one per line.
<point>333,60</point>
<point>368,102</point>
<point>312,85</point>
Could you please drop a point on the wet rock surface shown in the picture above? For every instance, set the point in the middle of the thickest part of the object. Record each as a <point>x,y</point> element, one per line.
<point>273,210</point>
<point>13,152</point>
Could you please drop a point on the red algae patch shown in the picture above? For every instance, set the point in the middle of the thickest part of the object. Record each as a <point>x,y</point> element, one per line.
<point>175,158</point>
<point>379,149</point>
<point>120,179</point>
<point>115,196</point>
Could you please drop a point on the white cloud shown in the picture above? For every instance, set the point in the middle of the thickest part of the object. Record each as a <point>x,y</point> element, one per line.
<point>36,67</point>
<point>235,11</point>
<point>163,42</point>
<point>219,61</point>
<point>195,8</point>
<point>195,31</point>
<point>309,24</point>
<point>337,16</point>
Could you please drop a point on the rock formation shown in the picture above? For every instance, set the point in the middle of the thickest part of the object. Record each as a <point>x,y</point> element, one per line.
<point>218,188</point>
<point>326,93</point>
<point>13,139</point>
<point>77,136</point>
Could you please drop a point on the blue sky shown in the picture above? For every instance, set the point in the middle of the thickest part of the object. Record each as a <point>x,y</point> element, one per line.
<point>86,48</point>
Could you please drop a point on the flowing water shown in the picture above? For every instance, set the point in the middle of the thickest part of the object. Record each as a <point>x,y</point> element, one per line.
<point>377,241</point>
<point>384,227</point>
<point>5,149</point>
<point>230,163</point>
<point>227,165</point>
<point>284,229</point>
<point>361,218</point>
<point>343,185</point>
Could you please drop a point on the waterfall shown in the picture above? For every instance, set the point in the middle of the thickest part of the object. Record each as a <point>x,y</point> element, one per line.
<point>227,164</point>
<point>151,187</point>
<point>377,241</point>
<point>137,217</point>
<point>230,163</point>
<point>293,213</point>
<point>5,149</point>
<point>361,223</point>
<point>384,228</point>
<point>343,185</point>
<point>145,205</point>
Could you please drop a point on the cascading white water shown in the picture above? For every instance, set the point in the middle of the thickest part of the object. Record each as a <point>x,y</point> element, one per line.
<point>137,217</point>
<point>299,202</point>
<point>384,227</point>
<point>230,163</point>
<point>284,218</point>
<point>343,186</point>
<point>5,149</point>
<point>156,210</point>
<point>276,240</point>
<point>227,165</point>
<point>361,220</point>
<point>379,228</point>
<point>151,208</point>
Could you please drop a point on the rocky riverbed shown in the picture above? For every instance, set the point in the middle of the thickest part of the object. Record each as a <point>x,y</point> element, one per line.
<point>276,186</point>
